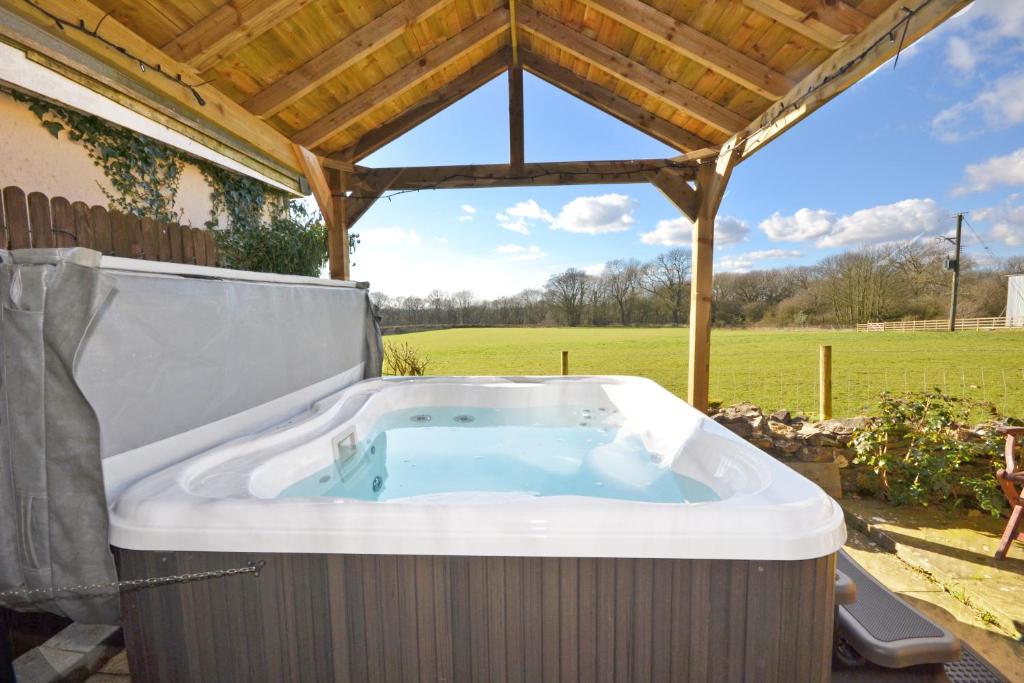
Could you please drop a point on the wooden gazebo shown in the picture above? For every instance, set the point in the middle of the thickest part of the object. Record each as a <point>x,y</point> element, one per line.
<point>297,92</point>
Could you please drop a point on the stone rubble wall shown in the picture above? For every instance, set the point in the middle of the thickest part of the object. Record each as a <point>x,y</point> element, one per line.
<point>820,451</point>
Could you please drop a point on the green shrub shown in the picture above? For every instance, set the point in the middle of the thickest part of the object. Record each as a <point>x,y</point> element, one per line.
<point>922,452</point>
<point>404,360</point>
<point>291,242</point>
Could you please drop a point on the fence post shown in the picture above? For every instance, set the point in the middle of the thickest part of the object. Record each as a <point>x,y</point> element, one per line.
<point>565,362</point>
<point>825,383</point>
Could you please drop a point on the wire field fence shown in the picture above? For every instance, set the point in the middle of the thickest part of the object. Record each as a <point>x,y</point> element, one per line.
<point>855,390</point>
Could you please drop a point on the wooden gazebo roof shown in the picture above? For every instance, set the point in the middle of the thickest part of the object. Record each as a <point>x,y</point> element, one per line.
<point>297,90</point>
<point>342,78</point>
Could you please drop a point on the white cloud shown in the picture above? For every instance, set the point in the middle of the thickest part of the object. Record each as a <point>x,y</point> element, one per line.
<point>1007,221</point>
<point>595,215</point>
<point>521,253</point>
<point>960,55</point>
<point>519,218</point>
<point>740,263</point>
<point>1001,106</point>
<point>390,236</point>
<point>465,217</point>
<point>401,261</point>
<point>1004,170</point>
<point>594,269</point>
<point>907,219</point>
<point>468,208</point>
<point>679,231</point>
<point>803,225</point>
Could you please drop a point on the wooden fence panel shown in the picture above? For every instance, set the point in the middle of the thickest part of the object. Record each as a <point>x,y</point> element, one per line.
<point>63,217</point>
<point>16,217</point>
<point>174,233</point>
<point>39,216</point>
<point>120,241</point>
<point>101,237</point>
<point>188,245</point>
<point>83,225</point>
<point>35,220</point>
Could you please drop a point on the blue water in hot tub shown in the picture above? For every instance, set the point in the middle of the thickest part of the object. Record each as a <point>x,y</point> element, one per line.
<point>551,451</point>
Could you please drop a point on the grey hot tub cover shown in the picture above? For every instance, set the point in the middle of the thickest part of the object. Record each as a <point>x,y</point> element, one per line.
<point>103,357</point>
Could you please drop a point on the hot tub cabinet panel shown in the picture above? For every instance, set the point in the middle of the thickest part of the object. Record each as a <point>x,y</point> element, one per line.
<point>336,617</point>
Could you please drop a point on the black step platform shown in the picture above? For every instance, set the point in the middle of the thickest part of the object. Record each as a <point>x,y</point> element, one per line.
<point>887,631</point>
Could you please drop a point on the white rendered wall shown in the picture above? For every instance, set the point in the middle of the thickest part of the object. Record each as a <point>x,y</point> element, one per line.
<point>1015,301</point>
<point>35,161</point>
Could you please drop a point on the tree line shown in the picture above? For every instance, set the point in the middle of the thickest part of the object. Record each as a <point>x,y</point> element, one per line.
<point>892,282</point>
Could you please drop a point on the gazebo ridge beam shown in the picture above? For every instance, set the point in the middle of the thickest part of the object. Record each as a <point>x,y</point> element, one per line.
<point>830,23</point>
<point>532,174</point>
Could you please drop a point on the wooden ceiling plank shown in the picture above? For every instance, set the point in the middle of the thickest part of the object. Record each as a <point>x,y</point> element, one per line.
<point>504,175</point>
<point>405,78</point>
<point>700,47</point>
<point>830,23</point>
<point>612,104</point>
<point>219,110</point>
<point>649,81</point>
<point>454,91</point>
<point>229,28</point>
<point>855,60</point>
<point>335,59</point>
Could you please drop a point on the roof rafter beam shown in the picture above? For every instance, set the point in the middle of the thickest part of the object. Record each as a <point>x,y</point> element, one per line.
<point>700,47</point>
<point>855,60</point>
<point>229,28</point>
<point>830,23</point>
<point>454,91</point>
<point>402,80</point>
<point>612,104</point>
<point>250,136</point>
<point>340,56</point>
<point>637,75</point>
<point>532,174</point>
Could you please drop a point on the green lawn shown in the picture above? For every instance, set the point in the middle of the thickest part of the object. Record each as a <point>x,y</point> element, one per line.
<point>774,368</point>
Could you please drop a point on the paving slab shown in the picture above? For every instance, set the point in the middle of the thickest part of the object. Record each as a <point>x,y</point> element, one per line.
<point>955,547</point>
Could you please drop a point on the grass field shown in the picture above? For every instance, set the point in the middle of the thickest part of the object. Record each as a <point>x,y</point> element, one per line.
<point>773,368</point>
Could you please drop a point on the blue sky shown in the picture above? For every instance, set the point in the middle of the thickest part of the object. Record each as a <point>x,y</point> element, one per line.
<point>892,158</point>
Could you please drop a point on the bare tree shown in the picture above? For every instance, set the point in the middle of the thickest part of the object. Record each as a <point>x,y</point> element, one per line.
<point>622,280</point>
<point>568,291</point>
<point>668,278</point>
<point>462,301</point>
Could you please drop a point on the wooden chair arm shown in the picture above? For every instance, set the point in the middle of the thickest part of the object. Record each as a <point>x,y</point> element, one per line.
<point>1010,430</point>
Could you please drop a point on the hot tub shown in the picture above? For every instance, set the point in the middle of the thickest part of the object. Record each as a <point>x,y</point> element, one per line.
<point>487,529</point>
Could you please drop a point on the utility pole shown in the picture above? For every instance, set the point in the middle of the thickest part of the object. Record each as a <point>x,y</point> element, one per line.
<point>954,265</point>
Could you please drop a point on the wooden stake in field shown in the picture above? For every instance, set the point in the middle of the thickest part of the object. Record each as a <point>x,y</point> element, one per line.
<point>565,363</point>
<point>825,383</point>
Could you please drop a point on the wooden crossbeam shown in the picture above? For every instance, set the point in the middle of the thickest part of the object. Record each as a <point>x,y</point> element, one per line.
<point>228,28</point>
<point>698,46</point>
<point>649,81</point>
<point>340,56</point>
<point>503,175</point>
<point>318,183</point>
<point>454,91</point>
<point>402,80</point>
<point>829,23</point>
<point>612,104</point>
<point>855,60</point>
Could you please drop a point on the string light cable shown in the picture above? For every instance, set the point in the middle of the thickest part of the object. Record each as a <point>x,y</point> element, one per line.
<point>64,24</point>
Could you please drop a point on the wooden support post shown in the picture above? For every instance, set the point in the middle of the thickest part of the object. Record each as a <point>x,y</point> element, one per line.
<point>516,137</point>
<point>337,225</point>
<point>825,383</point>
<point>565,363</point>
<point>712,178</point>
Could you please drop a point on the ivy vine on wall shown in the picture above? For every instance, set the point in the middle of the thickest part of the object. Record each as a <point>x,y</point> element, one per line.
<point>144,174</point>
<point>265,230</point>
